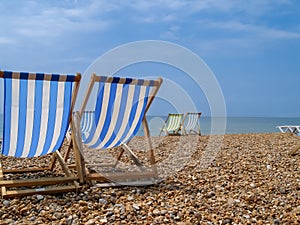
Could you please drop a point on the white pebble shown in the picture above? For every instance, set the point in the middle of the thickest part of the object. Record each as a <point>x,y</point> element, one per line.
<point>40,197</point>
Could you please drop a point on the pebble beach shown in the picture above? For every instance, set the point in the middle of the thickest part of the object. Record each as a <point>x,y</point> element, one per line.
<point>211,180</point>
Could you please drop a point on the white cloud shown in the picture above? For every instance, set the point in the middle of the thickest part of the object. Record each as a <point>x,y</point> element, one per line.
<point>5,40</point>
<point>247,29</point>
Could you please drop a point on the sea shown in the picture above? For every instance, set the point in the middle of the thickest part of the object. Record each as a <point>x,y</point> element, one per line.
<point>234,125</point>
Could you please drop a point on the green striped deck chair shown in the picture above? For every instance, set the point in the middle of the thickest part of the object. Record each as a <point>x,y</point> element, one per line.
<point>120,110</point>
<point>172,125</point>
<point>191,123</point>
<point>37,114</point>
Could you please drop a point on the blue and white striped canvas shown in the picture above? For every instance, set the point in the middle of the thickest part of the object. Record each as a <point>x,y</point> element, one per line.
<point>86,124</point>
<point>119,111</point>
<point>36,113</point>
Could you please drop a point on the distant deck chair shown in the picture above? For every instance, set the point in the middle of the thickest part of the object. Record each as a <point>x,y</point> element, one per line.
<point>191,123</point>
<point>121,107</point>
<point>86,123</point>
<point>172,125</point>
<point>289,129</point>
<point>37,114</point>
<point>294,130</point>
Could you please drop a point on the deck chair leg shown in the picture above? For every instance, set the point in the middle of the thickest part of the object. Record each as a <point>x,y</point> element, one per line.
<point>68,151</point>
<point>77,145</point>
<point>150,148</point>
<point>65,167</point>
<point>119,157</point>
<point>133,157</point>
<point>3,188</point>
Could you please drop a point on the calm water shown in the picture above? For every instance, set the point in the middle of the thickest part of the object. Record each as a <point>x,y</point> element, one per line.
<point>234,124</point>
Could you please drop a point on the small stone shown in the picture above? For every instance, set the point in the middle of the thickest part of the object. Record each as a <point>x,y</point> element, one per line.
<point>136,207</point>
<point>227,221</point>
<point>282,190</point>
<point>130,198</point>
<point>104,220</point>
<point>24,211</point>
<point>156,212</point>
<point>6,203</point>
<point>82,203</point>
<point>252,185</point>
<point>102,201</point>
<point>163,212</point>
<point>90,222</point>
<point>230,202</point>
<point>39,197</point>
<point>276,222</point>
<point>296,211</point>
<point>210,194</point>
<point>269,167</point>
<point>69,220</point>
<point>110,213</point>
<point>246,216</point>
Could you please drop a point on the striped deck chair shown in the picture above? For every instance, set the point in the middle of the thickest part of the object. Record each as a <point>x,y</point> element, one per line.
<point>172,125</point>
<point>87,120</point>
<point>191,123</point>
<point>120,109</point>
<point>37,109</point>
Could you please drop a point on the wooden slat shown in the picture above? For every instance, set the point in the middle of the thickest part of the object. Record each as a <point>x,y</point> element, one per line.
<point>46,190</point>
<point>26,170</point>
<point>37,182</point>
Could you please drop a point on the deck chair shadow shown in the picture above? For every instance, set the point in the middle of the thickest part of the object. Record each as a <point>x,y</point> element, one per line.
<point>120,109</point>
<point>191,123</point>
<point>37,114</point>
<point>172,125</point>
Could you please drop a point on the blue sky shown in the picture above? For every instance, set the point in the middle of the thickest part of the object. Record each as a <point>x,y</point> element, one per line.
<point>252,47</point>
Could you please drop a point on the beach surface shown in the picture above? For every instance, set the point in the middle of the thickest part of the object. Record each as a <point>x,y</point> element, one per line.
<point>230,179</point>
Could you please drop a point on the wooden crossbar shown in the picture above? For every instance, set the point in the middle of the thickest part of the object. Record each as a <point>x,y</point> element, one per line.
<point>46,190</point>
<point>37,182</point>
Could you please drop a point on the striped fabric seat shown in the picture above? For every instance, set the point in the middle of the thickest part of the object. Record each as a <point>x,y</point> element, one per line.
<point>173,124</point>
<point>191,123</point>
<point>37,109</point>
<point>120,110</point>
<point>36,113</point>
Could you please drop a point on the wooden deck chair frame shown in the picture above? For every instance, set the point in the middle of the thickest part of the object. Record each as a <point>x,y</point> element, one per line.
<point>193,121</point>
<point>11,188</point>
<point>172,125</point>
<point>120,178</point>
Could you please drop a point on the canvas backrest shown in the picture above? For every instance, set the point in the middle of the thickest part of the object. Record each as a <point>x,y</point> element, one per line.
<point>120,107</point>
<point>37,109</point>
<point>192,120</point>
<point>174,121</point>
